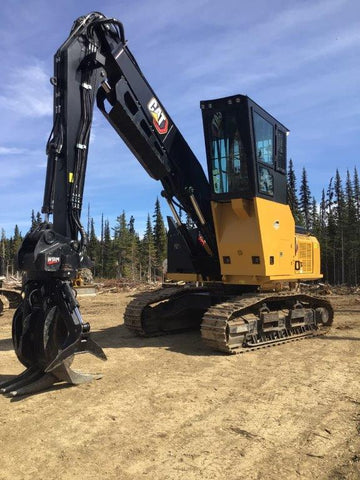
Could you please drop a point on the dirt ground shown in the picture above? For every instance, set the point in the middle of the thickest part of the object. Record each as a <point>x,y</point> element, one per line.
<point>169,408</point>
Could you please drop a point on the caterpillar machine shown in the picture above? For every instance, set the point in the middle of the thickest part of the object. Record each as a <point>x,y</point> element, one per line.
<point>227,270</point>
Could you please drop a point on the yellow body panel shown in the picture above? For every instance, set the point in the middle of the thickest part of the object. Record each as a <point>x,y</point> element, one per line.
<point>257,243</point>
<point>184,277</point>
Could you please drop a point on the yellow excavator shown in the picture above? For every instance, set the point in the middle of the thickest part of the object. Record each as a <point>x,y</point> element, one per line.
<point>230,274</point>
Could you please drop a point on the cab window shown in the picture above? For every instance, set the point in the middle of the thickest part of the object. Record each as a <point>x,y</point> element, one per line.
<point>229,169</point>
<point>263,139</point>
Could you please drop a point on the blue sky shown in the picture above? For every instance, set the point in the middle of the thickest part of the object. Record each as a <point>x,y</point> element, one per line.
<point>298,59</point>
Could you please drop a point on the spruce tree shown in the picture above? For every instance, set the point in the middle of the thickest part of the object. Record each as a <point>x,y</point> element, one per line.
<point>148,250</point>
<point>331,232</point>
<point>36,220</point>
<point>131,225</point>
<point>350,233</point>
<point>39,219</point>
<point>356,184</point>
<point>33,220</point>
<point>93,248</point>
<point>314,218</point>
<point>15,243</point>
<point>135,267</point>
<point>122,247</point>
<point>357,194</point>
<point>4,251</point>
<point>292,193</point>
<point>322,236</point>
<point>108,256</point>
<point>160,239</point>
<point>305,200</point>
<point>102,246</point>
<point>340,223</point>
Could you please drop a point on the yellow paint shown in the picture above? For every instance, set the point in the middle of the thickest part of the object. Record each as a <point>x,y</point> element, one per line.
<point>264,229</point>
<point>183,277</point>
<point>71,177</point>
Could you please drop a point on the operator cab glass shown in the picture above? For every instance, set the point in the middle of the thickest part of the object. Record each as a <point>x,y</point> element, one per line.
<point>245,148</point>
<point>229,163</point>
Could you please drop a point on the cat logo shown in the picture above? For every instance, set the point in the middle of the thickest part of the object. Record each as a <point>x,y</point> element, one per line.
<point>160,121</point>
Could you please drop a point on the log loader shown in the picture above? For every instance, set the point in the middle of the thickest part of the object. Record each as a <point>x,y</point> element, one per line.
<point>228,271</point>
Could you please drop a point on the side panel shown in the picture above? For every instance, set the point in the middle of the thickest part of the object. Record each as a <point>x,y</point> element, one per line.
<point>307,258</point>
<point>256,241</point>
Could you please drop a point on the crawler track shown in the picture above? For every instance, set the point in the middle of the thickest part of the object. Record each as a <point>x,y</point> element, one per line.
<point>230,324</point>
<point>166,310</point>
<point>257,321</point>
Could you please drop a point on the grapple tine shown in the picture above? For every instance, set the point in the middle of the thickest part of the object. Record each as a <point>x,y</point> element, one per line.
<point>21,382</point>
<point>67,374</point>
<point>83,345</point>
<point>36,380</point>
<point>44,381</point>
<point>87,345</point>
<point>26,373</point>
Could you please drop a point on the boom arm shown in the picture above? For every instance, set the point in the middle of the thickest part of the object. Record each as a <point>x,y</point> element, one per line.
<point>94,61</point>
<point>95,54</point>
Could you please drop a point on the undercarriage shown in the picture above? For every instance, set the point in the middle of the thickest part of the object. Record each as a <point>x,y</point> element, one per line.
<point>229,323</point>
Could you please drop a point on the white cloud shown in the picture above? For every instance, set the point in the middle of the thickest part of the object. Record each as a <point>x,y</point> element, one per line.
<point>12,151</point>
<point>27,92</point>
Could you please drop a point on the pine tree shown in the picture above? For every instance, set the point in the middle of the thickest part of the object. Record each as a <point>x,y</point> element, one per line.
<point>108,254</point>
<point>131,225</point>
<point>36,220</point>
<point>39,219</point>
<point>331,233</point>
<point>102,246</point>
<point>93,248</point>
<point>135,249</point>
<point>160,239</point>
<point>33,220</point>
<point>292,194</point>
<point>322,236</point>
<point>123,247</point>
<point>350,233</point>
<point>305,200</point>
<point>15,243</point>
<point>148,250</point>
<point>357,193</point>
<point>356,189</point>
<point>3,253</point>
<point>340,221</point>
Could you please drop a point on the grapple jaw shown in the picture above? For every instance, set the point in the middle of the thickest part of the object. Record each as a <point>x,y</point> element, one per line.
<point>47,332</point>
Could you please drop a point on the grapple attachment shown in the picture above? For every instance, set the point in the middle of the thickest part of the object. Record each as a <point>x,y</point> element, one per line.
<point>47,332</point>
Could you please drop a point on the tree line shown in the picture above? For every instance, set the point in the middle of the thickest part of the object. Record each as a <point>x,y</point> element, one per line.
<point>120,252</point>
<point>335,221</point>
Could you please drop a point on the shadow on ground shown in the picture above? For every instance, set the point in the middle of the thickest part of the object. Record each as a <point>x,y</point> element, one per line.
<point>188,343</point>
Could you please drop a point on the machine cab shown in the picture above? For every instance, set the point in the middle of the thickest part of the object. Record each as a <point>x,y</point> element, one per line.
<point>245,148</point>
<point>254,226</point>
